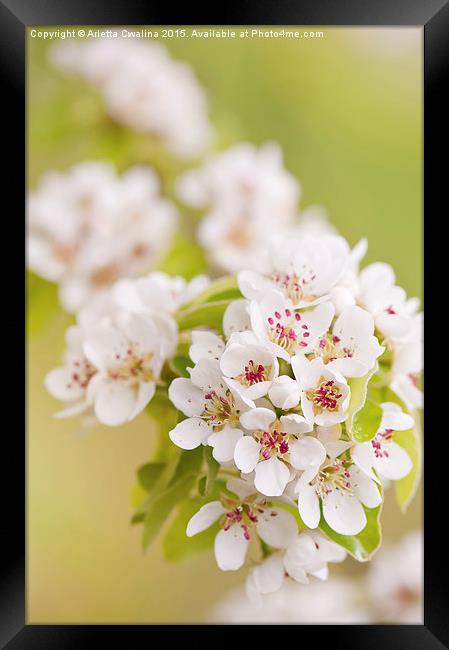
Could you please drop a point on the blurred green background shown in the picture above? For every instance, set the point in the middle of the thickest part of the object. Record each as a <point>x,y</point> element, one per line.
<point>347,111</point>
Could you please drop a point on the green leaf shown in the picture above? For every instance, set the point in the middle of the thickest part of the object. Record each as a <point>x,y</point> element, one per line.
<point>148,475</point>
<point>363,545</point>
<point>176,545</point>
<point>359,389</point>
<point>185,258</point>
<point>366,422</point>
<point>410,441</point>
<point>207,482</point>
<point>179,365</point>
<point>137,495</point>
<point>161,507</point>
<point>207,315</point>
<point>225,288</point>
<point>164,417</point>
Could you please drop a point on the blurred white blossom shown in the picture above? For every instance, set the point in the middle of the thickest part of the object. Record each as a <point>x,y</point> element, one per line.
<point>88,227</point>
<point>335,601</point>
<point>395,581</point>
<point>143,88</point>
<point>116,352</point>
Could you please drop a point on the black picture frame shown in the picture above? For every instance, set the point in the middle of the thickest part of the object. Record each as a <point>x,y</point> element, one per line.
<point>433,15</point>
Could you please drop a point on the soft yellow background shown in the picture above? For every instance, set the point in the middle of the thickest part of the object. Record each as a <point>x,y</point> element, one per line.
<point>347,110</point>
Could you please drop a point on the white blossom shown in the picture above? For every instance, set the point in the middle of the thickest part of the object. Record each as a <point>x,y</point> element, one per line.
<point>396,581</point>
<point>382,456</point>
<point>351,348</point>
<point>247,196</point>
<point>69,383</point>
<point>303,269</point>
<point>242,517</point>
<point>388,303</point>
<point>274,450</point>
<point>112,227</point>
<point>308,553</point>
<point>248,367</point>
<point>143,88</point>
<point>212,409</point>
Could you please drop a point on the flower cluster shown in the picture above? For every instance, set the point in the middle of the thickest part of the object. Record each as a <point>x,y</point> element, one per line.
<point>248,197</point>
<point>143,89</point>
<point>88,227</point>
<point>390,591</point>
<point>117,349</point>
<point>277,397</point>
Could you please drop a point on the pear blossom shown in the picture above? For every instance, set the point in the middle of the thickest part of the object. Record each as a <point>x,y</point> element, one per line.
<point>408,364</point>
<point>157,292</point>
<point>304,269</point>
<point>324,393</point>
<point>129,360</point>
<point>248,367</point>
<point>308,553</point>
<point>343,490</point>
<point>396,580</point>
<point>69,383</point>
<point>212,408</point>
<point>274,448</point>
<point>247,196</point>
<point>143,88</point>
<point>405,373</point>
<point>381,456</point>
<point>285,331</point>
<point>338,600</point>
<point>242,517</point>
<point>206,344</point>
<point>236,317</point>
<point>388,303</point>
<point>351,347</point>
<point>113,227</point>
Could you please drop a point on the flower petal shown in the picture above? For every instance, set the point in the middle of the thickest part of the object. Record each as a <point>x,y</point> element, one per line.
<point>114,403</point>
<point>246,454</point>
<point>300,553</point>
<point>344,513</point>
<point>190,433</point>
<point>204,518</point>
<point>277,527</point>
<point>307,452</point>
<point>365,489</point>
<point>230,548</point>
<point>257,419</point>
<point>205,344</point>
<point>309,505</point>
<point>269,576</point>
<point>271,477</point>
<point>186,397</point>
<point>394,466</point>
<point>223,443</point>
<point>284,392</point>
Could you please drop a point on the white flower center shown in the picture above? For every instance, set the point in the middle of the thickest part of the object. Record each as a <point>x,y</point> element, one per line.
<point>134,368</point>
<point>254,373</point>
<point>82,373</point>
<point>378,441</point>
<point>285,330</point>
<point>296,287</point>
<point>244,513</point>
<point>274,442</point>
<point>329,349</point>
<point>333,476</point>
<point>220,410</point>
<point>326,396</point>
